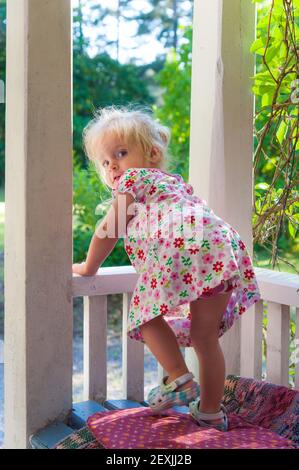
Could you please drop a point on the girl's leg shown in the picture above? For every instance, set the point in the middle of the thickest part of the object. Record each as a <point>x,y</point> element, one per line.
<point>206,315</point>
<point>162,342</point>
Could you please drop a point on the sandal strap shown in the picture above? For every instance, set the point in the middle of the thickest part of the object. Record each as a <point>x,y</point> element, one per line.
<point>218,415</point>
<point>165,388</point>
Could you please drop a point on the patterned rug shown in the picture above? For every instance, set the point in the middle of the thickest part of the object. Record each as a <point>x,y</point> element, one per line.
<point>261,416</point>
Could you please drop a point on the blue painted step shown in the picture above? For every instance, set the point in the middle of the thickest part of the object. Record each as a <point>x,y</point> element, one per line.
<point>121,404</point>
<point>81,411</point>
<point>49,436</point>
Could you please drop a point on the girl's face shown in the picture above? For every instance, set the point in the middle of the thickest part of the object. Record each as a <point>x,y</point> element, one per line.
<point>116,156</point>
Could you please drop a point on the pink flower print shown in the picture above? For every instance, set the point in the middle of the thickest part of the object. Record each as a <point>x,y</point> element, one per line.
<point>178,242</point>
<point>174,276</point>
<point>193,288</point>
<point>216,240</point>
<point>144,278</point>
<point>226,275</point>
<point>177,287</point>
<point>206,220</point>
<point>231,265</point>
<point>216,232</point>
<point>249,274</point>
<point>251,287</point>
<point>208,258</point>
<point>162,268</point>
<point>153,190</point>
<point>147,310</point>
<point>199,283</point>
<point>163,308</point>
<point>160,241</point>
<point>157,294</point>
<point>241,310</point>
<point>176,266</point>
<point>189,219</point>
<point>176,255</point>
<point>150,270</point>
<point>168,270</point>
<point>140,254</point>
<point>221,255</point>
<point>246,261</point>
<point>181,335</point>
<point>129,249</point>
<point>203,271</point>
<point>194,269</point>
<point>193,250</point>
<point>136,300</point>
<point>241,245</point>
<point>164,278</point>
<point>167,244</point>
<point>153,283</point>
<point>218,266</point>
<point>187,278</point>
<point>206,290</point>
<point>129,183</point>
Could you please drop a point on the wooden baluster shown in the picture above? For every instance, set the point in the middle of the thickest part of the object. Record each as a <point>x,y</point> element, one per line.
<point>278,340</point>
<point>251,342</point>
<point>95,348</point>
<point>132,359</point>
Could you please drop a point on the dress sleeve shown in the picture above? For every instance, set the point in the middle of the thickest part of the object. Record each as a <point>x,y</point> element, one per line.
<point>136,181</point>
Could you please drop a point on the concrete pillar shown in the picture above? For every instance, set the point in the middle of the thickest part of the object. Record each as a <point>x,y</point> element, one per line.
<point>221,148</point>
<point>38,225</point>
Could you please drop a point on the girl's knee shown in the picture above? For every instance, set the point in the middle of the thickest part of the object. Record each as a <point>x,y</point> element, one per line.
<point>203,340</point>
<point>151,323</point>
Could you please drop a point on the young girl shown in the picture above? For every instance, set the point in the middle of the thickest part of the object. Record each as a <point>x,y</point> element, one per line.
<point>191,287</point>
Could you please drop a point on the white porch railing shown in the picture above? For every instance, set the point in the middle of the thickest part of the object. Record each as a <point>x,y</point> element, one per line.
<point>280,290</point>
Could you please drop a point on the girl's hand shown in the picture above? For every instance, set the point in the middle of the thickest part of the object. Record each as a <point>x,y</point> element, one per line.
<point>80,268</point>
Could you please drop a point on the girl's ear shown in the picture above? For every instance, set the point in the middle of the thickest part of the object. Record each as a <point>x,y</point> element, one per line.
<point>155,155</point>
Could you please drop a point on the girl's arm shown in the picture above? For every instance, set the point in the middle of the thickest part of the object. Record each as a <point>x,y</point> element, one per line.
<point>106,235</point>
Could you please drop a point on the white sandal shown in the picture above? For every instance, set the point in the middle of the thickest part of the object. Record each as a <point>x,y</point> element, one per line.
<point>164,396</point>
<point>205,420</point>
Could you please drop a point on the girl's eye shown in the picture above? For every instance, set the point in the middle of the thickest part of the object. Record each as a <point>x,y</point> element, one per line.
<point>120,153</point>
<point>117,154</point>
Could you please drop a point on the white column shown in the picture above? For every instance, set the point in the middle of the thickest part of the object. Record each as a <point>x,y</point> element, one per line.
<point>221,123</point>
<point>38,217</point>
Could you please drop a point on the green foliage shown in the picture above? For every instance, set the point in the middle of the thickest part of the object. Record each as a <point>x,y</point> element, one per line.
<point>102,81</point>
<point>175,79</point>
<point>276,128</point>
<point>89,207</point>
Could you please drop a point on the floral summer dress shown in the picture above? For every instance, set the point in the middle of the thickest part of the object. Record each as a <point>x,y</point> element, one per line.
<point>182,250</point>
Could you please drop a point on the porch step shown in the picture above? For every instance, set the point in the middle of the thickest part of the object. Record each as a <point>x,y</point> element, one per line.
<point>48,437</point>
<point>121,404</point>
<point>81,411</point>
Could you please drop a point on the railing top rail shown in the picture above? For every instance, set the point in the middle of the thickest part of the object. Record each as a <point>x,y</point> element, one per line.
<point>275,286</point>
<point>280,287</point>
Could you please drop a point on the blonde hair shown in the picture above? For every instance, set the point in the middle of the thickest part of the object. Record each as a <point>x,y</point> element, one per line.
<point>134,125</point>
